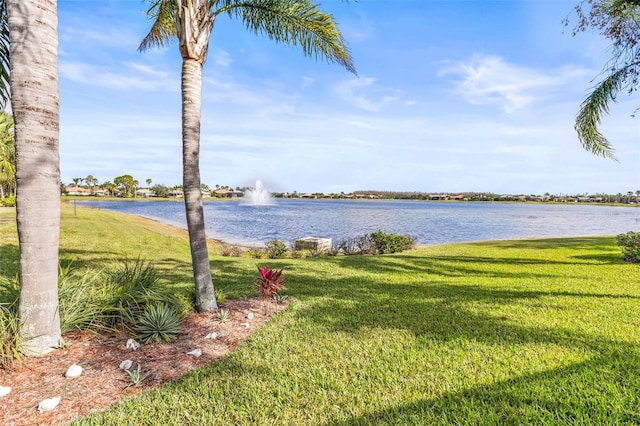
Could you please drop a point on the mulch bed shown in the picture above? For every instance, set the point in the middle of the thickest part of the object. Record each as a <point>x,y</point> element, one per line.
<point>102,383</point>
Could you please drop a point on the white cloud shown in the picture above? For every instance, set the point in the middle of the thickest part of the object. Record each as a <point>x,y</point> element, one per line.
<point>363,93</point>
<point>489,80</point>
<point>129,76</point>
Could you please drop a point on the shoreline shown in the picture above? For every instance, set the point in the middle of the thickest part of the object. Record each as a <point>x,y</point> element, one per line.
<point>244,248</point>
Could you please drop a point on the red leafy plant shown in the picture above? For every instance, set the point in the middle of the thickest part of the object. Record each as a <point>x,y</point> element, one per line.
<point>269,282</point>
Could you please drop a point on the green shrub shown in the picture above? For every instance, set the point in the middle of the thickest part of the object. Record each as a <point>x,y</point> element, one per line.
<point>9,201</point>
<point>257,253</point>
<point>276,249</point>
<point>229,250</point>
<point>134,285</point>
<point>375,243</point>
<point>159,322</point>
<point>355,245</point>
<point>384,243</point>
<point>630,245</point>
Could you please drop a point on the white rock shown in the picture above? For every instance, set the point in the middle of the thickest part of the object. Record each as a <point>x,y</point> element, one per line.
<point>245,324</point>
<point>4,391</point>
<point>126,364</point>
<point>49,404</point>
<point>132,344</point>
<point>74,371</point>
<point>196,352</point>
<point>211,335</point>
<point>250,316</point>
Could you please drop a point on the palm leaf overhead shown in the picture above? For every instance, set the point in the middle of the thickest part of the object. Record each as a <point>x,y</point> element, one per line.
<point>292,22</point>
<point>619,21</point>
<point>296,23</point>
<point>591,111</point>
<point>163,30</point>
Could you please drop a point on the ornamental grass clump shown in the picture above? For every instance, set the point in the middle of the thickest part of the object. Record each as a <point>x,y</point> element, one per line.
<point>630,245</point>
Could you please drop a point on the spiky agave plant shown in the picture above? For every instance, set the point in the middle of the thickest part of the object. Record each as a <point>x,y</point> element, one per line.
<point>159,322</point>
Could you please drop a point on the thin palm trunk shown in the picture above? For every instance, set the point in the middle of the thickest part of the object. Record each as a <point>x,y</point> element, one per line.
<point>35,103</point>
<point>191,102</point>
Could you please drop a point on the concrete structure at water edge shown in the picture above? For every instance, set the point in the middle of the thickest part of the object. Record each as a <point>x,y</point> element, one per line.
<point>316,244</point>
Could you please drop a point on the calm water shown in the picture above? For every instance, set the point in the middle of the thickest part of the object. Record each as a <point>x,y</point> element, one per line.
<point>430,222</point>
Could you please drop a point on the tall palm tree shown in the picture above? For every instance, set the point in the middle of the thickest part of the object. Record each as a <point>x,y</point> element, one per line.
<point>33,27</point>
<point>293,22</point>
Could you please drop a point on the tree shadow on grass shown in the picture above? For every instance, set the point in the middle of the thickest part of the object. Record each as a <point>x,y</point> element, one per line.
<point>443,312</point>
<point>600,391</point>
<point>582,243</point>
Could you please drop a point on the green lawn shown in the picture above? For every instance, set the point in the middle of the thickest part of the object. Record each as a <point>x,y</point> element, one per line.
<point>514,332</point>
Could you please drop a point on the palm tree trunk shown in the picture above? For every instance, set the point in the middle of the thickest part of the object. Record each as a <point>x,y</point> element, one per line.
<point>35,103</point>
<point>191,104</point>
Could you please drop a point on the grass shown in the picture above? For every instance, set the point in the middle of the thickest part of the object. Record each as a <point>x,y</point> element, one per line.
<point>513,332</point>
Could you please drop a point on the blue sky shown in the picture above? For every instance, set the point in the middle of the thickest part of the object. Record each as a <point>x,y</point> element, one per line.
<point>450,96</point>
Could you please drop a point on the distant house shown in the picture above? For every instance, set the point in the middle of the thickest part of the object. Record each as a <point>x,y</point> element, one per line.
<point>76,190</point>
<point>228,193</point>
<point>145,193</point>
<point>176,193</point>
<point>436,197</point>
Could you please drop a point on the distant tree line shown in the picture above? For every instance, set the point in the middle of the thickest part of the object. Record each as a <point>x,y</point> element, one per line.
<point>127,186</point>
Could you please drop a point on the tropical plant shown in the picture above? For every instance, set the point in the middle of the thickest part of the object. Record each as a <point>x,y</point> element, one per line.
<point>9,322</point>
<point>133,286</point>
<point>9,201</point>
<point>161,191</point>
<point>91,182</point>
<point>220,295</point>
<point>630,245</point>
<point>35,104</point>
<point>136,376</point>
<point>158,323</point>
<point>223,315</point>
<point>127,184</point>
<point>10,340</point>
<point>7,155</point>
<point>293,22</point>
<point>619,21</point>
<point>84,301</point>
<point>109,186</point>
<point>269,282</point>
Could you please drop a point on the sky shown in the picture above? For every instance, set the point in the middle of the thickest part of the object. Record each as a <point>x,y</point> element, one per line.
<point>450,96</point>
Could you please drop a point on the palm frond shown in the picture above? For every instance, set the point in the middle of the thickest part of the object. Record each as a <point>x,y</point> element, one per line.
<point>4,56</point>
<point>292,22</point>
<point>163,29</point>
<point>591,111</point>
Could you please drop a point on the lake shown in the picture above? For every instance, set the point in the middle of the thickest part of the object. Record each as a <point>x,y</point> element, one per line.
<point>430,222</point>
